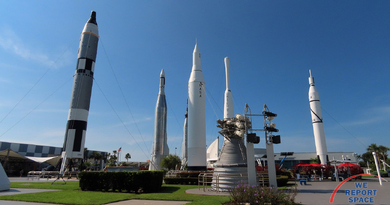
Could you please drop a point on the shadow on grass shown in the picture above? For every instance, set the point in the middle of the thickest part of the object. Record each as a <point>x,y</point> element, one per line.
<point>169,189</point>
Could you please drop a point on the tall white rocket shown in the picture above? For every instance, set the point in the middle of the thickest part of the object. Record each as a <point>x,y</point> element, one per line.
<point>160,145</point>
<point>228,111</point>
<point>318,126</point>
<point>196,116</point>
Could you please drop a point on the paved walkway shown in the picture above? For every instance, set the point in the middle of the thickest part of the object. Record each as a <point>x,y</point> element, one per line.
<point>321,193</point>
<point>311,194</point>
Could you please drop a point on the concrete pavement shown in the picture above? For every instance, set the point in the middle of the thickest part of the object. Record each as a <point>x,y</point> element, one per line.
<point>368,191</point>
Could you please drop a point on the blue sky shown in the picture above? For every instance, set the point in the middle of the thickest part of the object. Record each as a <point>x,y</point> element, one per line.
<point>271,46</point>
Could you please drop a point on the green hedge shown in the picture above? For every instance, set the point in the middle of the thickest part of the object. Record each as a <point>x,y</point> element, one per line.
<point>148,181</point>
<point>383,173</point>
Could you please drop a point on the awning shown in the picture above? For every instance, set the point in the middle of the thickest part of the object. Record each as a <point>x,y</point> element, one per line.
<point>50,160</point>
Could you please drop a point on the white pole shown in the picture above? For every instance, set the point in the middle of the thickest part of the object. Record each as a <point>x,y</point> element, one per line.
<point>250,154</point>
<point>377,168</point>
<point>336,171</point>
<point>271,165</point>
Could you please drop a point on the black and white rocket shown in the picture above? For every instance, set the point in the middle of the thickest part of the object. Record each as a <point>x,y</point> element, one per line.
<point>318,126</point>
<point>160,145</point>
<point>76,126</point>
<point>196,116</point>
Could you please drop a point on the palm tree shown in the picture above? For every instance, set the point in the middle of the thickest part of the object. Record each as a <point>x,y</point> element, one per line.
<point>86,154</point>
<point>114,155</point>
<point>383,150</point>
<point>380,150</point>
<point>127,156</point>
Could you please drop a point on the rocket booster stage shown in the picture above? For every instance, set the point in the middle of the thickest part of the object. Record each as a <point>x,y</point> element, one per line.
<point>160,146</point>
<point>318,126</point>
<point>81,94</point>
<point>196,116</point>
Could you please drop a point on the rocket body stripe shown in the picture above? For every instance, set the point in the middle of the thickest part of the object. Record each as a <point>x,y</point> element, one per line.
<point>318,126</point>
<point>160,144</point>
<point>196,116</point>
<point>81,93</point>
<point>91,34</point>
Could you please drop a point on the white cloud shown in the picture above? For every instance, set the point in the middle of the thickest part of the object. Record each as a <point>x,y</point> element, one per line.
<point>10,42</point>
<point>371,116</point>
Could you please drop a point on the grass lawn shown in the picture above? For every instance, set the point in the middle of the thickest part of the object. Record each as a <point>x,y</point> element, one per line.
<point>70,193</point>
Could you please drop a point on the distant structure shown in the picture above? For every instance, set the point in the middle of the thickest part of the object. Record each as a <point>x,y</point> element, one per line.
<point>184,153</point>
<point>196,116</point>
<point>76,127</point>
<point>160,145</point>
<point>212,153</point>
<point>318,126</point>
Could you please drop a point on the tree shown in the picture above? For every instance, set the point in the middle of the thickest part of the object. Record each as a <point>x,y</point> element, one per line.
<point>128,156</point>
<point>112,159</point>
<point>314,160</point>
<point>96,156</point>
<point>381,152</point>
<point>170,162</point>
<point>86,154</point>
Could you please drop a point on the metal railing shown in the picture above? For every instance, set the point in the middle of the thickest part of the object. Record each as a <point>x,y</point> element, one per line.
<point>41,174</point>
<point>218,182</point>
<point>203,179</point>
<point>263,178</point>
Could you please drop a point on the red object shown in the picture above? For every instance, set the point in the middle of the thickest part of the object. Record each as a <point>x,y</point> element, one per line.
<point>120,148</point>
<point>301,164</point>
<point>348,164</point>
<point>316,165</point>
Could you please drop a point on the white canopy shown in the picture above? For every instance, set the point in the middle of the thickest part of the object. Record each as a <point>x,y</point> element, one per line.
<point>50,160</point>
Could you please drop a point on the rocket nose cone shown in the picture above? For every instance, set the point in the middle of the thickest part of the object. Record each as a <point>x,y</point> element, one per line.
<point>162,74</point>
<point>196,48</point>
<point>92,19</point>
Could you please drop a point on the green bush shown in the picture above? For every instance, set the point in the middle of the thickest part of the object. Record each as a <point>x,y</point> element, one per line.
<point>148,181</point>
<point>383,173</point>
<point>281,180</point>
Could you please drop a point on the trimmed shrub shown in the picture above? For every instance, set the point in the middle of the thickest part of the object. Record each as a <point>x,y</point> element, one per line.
<point>130,181</point>
<point>383,173</point>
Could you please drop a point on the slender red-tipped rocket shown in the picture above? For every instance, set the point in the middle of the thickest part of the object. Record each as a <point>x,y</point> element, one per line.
<point>81,94</point>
